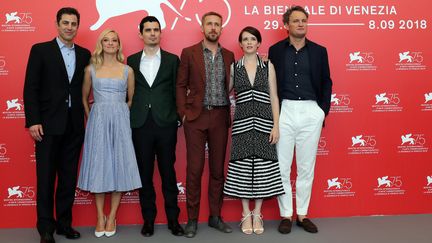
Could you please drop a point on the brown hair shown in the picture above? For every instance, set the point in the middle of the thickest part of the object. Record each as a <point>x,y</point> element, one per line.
<point>210,14</point>
<point>287,14</point>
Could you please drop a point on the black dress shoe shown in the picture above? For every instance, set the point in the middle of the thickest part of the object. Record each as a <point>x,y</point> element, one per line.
<point>191,228</point>
<point>175,228</point>
<point>148,228</point>
<point>217,223</point>
<point>47,238</point>
<point>69,232</point>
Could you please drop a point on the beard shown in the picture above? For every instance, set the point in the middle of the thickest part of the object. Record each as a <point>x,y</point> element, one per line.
<point>212,37</point>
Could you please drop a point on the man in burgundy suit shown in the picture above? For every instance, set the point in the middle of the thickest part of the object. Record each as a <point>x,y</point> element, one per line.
<point>203,105</point>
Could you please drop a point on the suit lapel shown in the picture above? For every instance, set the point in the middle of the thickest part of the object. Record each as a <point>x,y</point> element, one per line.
<point>198,56</point>
<point>162,64</point>
<point>79,59</point>
<point>58,56</point>
<point>136,61</point>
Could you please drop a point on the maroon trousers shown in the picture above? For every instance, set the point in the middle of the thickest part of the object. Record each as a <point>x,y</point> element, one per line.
<point>211,127</point>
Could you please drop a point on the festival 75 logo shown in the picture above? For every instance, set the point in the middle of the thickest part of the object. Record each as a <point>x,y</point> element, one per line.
<point>389,181</point>
<point>18,18</point>
<point>339,183</point>
<point>21,192</point>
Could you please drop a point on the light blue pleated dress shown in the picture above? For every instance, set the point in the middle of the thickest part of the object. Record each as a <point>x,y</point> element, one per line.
<point>108,161</point>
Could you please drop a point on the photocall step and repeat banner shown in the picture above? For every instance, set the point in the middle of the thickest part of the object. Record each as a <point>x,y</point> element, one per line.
<point>374,155</point>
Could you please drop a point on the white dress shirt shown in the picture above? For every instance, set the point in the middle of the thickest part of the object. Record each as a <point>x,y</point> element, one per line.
<point>149,66</point>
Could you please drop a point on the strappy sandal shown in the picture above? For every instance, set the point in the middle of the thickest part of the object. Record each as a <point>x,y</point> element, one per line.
<point>258,224</point>
<point>246,223</point>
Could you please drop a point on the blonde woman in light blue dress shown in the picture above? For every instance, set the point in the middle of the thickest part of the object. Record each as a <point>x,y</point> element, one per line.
<point>108,164</point>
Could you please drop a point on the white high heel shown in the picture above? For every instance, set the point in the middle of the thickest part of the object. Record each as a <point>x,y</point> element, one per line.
<point>111,233</point>
<point>99,234</point>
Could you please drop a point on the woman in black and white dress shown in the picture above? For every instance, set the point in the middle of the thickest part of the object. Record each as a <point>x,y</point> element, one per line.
<point>253,170</point>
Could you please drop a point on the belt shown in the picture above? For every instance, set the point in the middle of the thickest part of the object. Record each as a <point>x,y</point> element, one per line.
<point>211,107</point>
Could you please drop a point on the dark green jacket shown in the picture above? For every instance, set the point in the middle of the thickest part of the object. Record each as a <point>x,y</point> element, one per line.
<point>160,98</point>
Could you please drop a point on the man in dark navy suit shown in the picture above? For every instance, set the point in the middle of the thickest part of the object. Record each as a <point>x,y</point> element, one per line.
<point>304,89</point>
<point>55,119</point>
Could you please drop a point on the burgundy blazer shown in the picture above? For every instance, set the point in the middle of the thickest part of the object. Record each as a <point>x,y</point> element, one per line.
<point>190,87</point>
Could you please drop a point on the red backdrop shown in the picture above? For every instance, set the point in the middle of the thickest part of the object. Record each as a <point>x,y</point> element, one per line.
<point>374,156</point>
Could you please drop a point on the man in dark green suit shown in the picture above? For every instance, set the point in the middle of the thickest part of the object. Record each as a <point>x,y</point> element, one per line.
<point>154,124</point>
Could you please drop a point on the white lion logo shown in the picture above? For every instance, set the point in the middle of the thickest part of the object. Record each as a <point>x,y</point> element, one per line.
<point>13,17</point>
<point>428,97</point>
<point>383,181</point>
<point>429,180</point>
<point>232,101</point>
<point>356,57</point>
<point>407,138</point>
<point>14,104</point>
<point>333,183</point>
<point>358,140</point>
<point>382,98</point>
<point>334,99</point>
<point>180,188</point>
<point>112,8</point>
<point>15,191</point>
<point>405,56</point>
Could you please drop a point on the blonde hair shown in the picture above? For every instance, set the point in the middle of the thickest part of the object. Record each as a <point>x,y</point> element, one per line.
<point>97,56</point>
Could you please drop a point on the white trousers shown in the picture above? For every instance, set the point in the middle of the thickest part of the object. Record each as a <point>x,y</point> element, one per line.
<point>300,125</point>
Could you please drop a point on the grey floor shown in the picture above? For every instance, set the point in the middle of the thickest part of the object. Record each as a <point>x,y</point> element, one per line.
<point>391,229</point>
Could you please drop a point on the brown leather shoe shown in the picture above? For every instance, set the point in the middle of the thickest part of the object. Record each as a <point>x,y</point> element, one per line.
<point>285,226</point>
<point>307,225</point>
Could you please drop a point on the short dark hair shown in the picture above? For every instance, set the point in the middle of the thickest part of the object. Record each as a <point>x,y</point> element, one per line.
<point>210,14</point>
<point>287,14</point>
<point>251,30</point>
<point>148,19</point>
<point>67,10</point>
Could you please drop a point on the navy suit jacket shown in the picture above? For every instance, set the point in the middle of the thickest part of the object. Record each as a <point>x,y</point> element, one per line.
<point>319,68</point>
